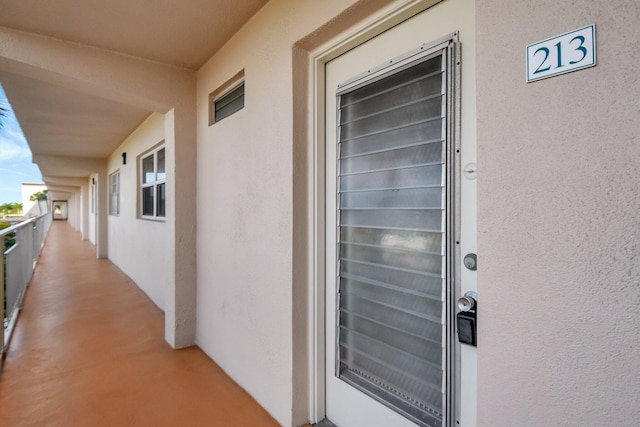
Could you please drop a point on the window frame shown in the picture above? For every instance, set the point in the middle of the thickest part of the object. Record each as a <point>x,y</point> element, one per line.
<point>154,184</point>
<point>114,208</point>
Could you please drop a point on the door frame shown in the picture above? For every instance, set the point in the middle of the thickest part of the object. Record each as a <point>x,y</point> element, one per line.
<point>389,17</point>
<point>448,48</point>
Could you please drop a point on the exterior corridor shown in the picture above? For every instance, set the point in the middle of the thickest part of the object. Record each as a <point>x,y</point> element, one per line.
<point>88,350</point>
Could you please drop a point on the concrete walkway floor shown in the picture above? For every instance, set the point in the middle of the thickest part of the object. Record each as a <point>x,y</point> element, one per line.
<point>88,350</point>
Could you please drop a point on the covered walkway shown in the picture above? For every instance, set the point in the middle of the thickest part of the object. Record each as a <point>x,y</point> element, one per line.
<point>88,350</point>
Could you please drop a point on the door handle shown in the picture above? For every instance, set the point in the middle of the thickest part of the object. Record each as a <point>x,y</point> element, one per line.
<point>468,301</point>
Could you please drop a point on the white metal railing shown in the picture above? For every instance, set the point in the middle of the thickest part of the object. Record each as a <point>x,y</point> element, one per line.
<point>17,269</point>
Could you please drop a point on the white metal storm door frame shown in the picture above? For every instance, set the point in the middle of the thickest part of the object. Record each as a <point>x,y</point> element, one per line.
<point>396,225</point>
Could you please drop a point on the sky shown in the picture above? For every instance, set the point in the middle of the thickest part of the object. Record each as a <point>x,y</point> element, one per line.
<point>15,158</point>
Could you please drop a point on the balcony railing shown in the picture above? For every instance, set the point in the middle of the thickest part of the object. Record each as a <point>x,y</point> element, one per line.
<point>16,270</point>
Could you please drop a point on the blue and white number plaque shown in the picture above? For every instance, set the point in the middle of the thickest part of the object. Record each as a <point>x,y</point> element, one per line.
<point>561,54</point>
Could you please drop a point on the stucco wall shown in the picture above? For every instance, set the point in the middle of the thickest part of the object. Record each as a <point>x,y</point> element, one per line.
<point>139,247</point>
<point>28,190</point>
<point>245,218</point>
<point>559,235</point>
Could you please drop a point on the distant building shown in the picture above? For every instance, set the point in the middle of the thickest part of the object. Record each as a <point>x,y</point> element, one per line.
<point>29,207</point>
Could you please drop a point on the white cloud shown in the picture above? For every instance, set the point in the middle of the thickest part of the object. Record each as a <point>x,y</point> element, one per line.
<point>5,171</point>
<point>15,157</point>
<point>11,130</point>
<point>13,145</point>
<point>13,151</point>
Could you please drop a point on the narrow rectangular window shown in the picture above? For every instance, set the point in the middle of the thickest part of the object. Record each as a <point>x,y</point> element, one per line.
<point>228,99</point>
<point>114,194</point>
<point>230,103</point>
<point>153,185</point>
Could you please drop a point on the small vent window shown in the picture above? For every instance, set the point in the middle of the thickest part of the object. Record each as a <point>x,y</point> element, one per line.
<point>227,99</point>
<point>230,103</point>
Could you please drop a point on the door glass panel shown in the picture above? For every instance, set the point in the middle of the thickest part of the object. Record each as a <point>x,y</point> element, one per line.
<point>392,225</point>
<point>423,154</point>
<point>422,132</point>
<point>396,179</point>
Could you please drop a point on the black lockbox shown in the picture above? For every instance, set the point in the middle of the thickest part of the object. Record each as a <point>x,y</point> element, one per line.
<point>467,328</point>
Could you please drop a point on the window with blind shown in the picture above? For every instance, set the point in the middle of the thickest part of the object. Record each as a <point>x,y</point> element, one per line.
<point>392,227</point>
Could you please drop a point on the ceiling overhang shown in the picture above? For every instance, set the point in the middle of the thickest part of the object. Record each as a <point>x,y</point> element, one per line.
<point>84,113</point>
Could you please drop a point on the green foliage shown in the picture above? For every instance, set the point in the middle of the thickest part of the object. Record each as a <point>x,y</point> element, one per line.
<point>9,239</point>
<point>10,209</point>
<point>40,196</point>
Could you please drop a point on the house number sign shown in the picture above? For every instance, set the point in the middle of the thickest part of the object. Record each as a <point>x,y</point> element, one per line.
<point>561,54</point>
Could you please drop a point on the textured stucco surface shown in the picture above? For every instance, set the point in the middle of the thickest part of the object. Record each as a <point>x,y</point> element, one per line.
<point>245,220</point>
<point>130,238</point>
<point>559,216</point>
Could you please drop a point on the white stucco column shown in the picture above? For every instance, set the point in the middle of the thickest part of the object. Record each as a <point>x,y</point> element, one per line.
<point>180,295</point>
<point>84,211</point>
<point>72,213</point>
<point>77,200</point>
<point>102,213</point>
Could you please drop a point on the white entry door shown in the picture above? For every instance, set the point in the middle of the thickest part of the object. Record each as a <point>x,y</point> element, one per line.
<point>398,216</point>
